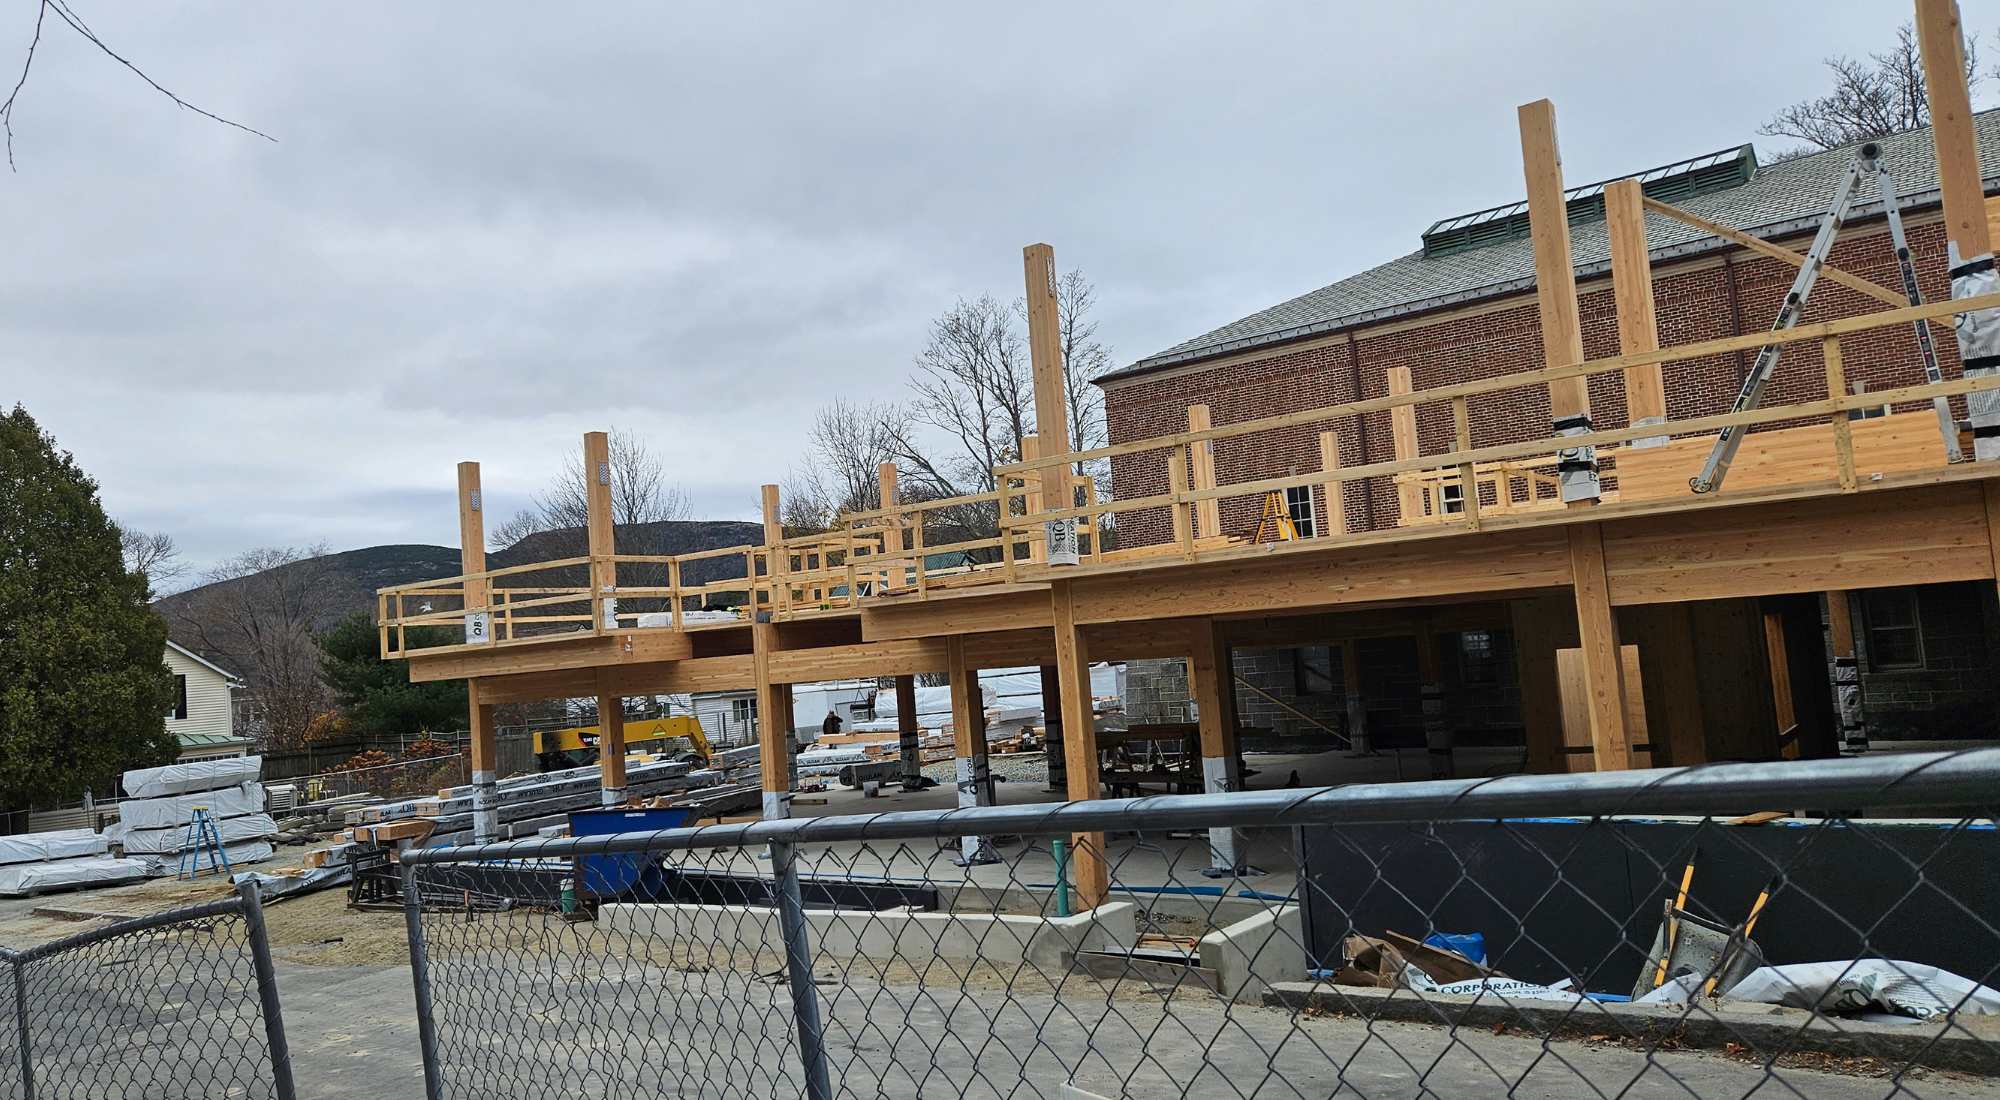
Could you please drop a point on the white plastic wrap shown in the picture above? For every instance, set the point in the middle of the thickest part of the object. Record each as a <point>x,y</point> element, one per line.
<point>666,618</point>
<point>62,844</point>
<point>254,851</point>
<point>169,840</point>
<point>197,775</point>
<point>160,813</point>
<point>33,878</point>
<point>1902,988</point>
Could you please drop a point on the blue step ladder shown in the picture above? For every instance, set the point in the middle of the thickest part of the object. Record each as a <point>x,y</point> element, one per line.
<point>202,838</point>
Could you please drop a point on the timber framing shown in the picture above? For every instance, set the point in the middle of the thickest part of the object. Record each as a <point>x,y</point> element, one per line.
<point>915,588</point>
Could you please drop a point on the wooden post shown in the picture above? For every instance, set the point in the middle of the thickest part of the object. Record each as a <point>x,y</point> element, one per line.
<point>1468,483</point>
<point>1942,40</point>
<point>1555,291</point>
<point>1207,513</point>
<point>1357,704</point>
<point>597,506</point>
<point>1672,678</point>
<point>1403,432</point>
<point>1632,289</point>
<point>1033,500</point>
<point>1177,482</point>
<point>1843,434</point>
<point>777,559</point>
<point>485,783</point>
<point>1846,674</point>
<point>968,737</point>
<point>610,741</point>
<point>1046,355</point>
<point>1336,498</point>
<point>1208,671</point>
<point>771,730</point>
<point>1437,727</point>
<point>892,537</point>
<point>1603,667</point>
<point>1093,873</point>
<point>472,554</point>
<point>1543,625</point>
<point>1781,686</point>
<point>909,735</point>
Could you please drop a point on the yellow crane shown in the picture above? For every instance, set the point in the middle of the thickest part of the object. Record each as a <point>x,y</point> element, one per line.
<point>577,745</point>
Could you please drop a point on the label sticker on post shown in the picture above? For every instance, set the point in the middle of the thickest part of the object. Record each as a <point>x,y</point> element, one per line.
<point>478,628</point>
<point>1062,541</point>
<point>610,611</point>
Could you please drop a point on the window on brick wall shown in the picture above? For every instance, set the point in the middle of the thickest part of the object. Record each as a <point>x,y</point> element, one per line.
<point>1895,634</point>
<point>1299,505</point>
<point>1478,664</point>
<point>1312,670</point>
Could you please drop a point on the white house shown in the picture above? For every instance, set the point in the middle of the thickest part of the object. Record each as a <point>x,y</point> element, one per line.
<point>202,715</point>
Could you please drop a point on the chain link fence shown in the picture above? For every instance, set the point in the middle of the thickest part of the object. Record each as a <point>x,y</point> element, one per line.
<point>178,1004</point>
<point>1835,938</point>
<point>420,778</point>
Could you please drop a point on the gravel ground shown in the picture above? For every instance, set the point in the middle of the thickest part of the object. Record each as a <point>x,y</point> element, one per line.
<point>1023,767</point>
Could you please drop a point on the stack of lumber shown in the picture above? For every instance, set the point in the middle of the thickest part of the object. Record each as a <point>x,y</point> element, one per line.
<point>35,863</point>
<point>152,824</point>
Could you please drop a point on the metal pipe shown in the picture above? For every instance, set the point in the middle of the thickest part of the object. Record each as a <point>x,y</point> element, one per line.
<point>798,966</point>
<point>267,988</point>
<point>1062,879</point>
<point>20,966</point>
<point>420,984</point>
<point>1967,777</point>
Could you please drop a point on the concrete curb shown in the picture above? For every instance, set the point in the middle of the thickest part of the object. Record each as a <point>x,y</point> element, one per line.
<point>1968,1043</point>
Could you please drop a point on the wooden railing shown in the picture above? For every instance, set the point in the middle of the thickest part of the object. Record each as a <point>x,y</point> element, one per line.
<point>915,550</point>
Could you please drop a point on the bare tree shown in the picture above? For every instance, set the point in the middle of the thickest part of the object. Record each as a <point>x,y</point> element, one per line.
<point>1870,99</point>
<point>1084,361</point>
<point>849,440</point>
<point>640,493</point>
<point>975,386</point>
<point>258,611</point>
<point>153,554</point>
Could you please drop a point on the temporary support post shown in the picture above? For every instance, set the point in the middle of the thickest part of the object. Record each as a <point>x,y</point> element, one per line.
<point>968,735</point>
<point>1632,289</point>
<point>1207,513</point>
<point>485,783</point>
<point>909,735</point>
<point>610,740</point>
<point>603,544</point>
<point>1051,393</point>
<point>1403,433</point>
<point>1357,705</point>
<point>472,554</point>
<point>1968,243</point>
<point>1437,727</point>
<point>771,727</point>
<point>1052,730</point>
<point>1555,291</point>
<point>1846,674</point>
<point>1603,668</point>
<point>1336,500</point>
<point>1209,673</point>
<point>1093,874</point>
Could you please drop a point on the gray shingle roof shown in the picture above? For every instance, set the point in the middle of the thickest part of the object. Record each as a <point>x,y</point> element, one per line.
<point>1782,199</point>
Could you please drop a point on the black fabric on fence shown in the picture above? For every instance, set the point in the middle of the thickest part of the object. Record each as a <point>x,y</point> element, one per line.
<point>1576,898</point>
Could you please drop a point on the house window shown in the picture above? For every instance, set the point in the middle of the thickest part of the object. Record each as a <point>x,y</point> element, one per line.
<point>1477,664</point>
<point>1895,636</point>
<point>744,711</point>
<point>180,710</point>
<point>1312,670</point>
<point>1299,504</point>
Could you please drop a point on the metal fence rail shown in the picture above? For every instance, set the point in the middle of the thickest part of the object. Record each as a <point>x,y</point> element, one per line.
<point>176,1004</point>
<point>855,956</point>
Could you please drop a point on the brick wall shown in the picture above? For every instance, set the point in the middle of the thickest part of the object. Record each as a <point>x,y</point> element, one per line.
<point>1694,303</point>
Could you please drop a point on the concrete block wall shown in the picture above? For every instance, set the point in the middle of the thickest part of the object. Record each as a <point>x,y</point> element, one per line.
<point>1953,694</point>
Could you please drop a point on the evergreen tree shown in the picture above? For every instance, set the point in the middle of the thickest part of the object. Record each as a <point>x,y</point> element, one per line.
<point>84,691</point>
<point>378,694</point>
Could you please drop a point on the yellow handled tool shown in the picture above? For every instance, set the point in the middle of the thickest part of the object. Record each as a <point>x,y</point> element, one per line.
<point>1673,924</point>
<point>1708,988</point>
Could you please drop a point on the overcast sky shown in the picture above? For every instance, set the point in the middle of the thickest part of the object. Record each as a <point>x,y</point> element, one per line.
<point>487,228</point>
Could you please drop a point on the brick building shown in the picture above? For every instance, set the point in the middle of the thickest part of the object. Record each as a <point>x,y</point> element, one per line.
<point>1462,307</point>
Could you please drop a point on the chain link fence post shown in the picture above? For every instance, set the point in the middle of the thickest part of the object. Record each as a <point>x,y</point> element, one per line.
<point>420,983</point>
<point>15,964</point>
<point>798,966</point>
<point>267,988</point>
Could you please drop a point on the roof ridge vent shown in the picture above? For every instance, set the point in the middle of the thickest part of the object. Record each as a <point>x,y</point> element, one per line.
<point>1717,171</point>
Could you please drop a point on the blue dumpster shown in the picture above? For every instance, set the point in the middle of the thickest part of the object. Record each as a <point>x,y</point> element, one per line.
<point>619,875</point>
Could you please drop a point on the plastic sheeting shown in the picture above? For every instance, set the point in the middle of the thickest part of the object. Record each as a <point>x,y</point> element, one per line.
<point>136,814</point>
<point>231,830</point>
<point>666,618</point>
<point>1007,688</point>
<point>273,887</point>
<point>32,878</point>
<point>1901,988</point>
<point>62,844</point>
<point>255,851</point>
<point>198,775</point>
